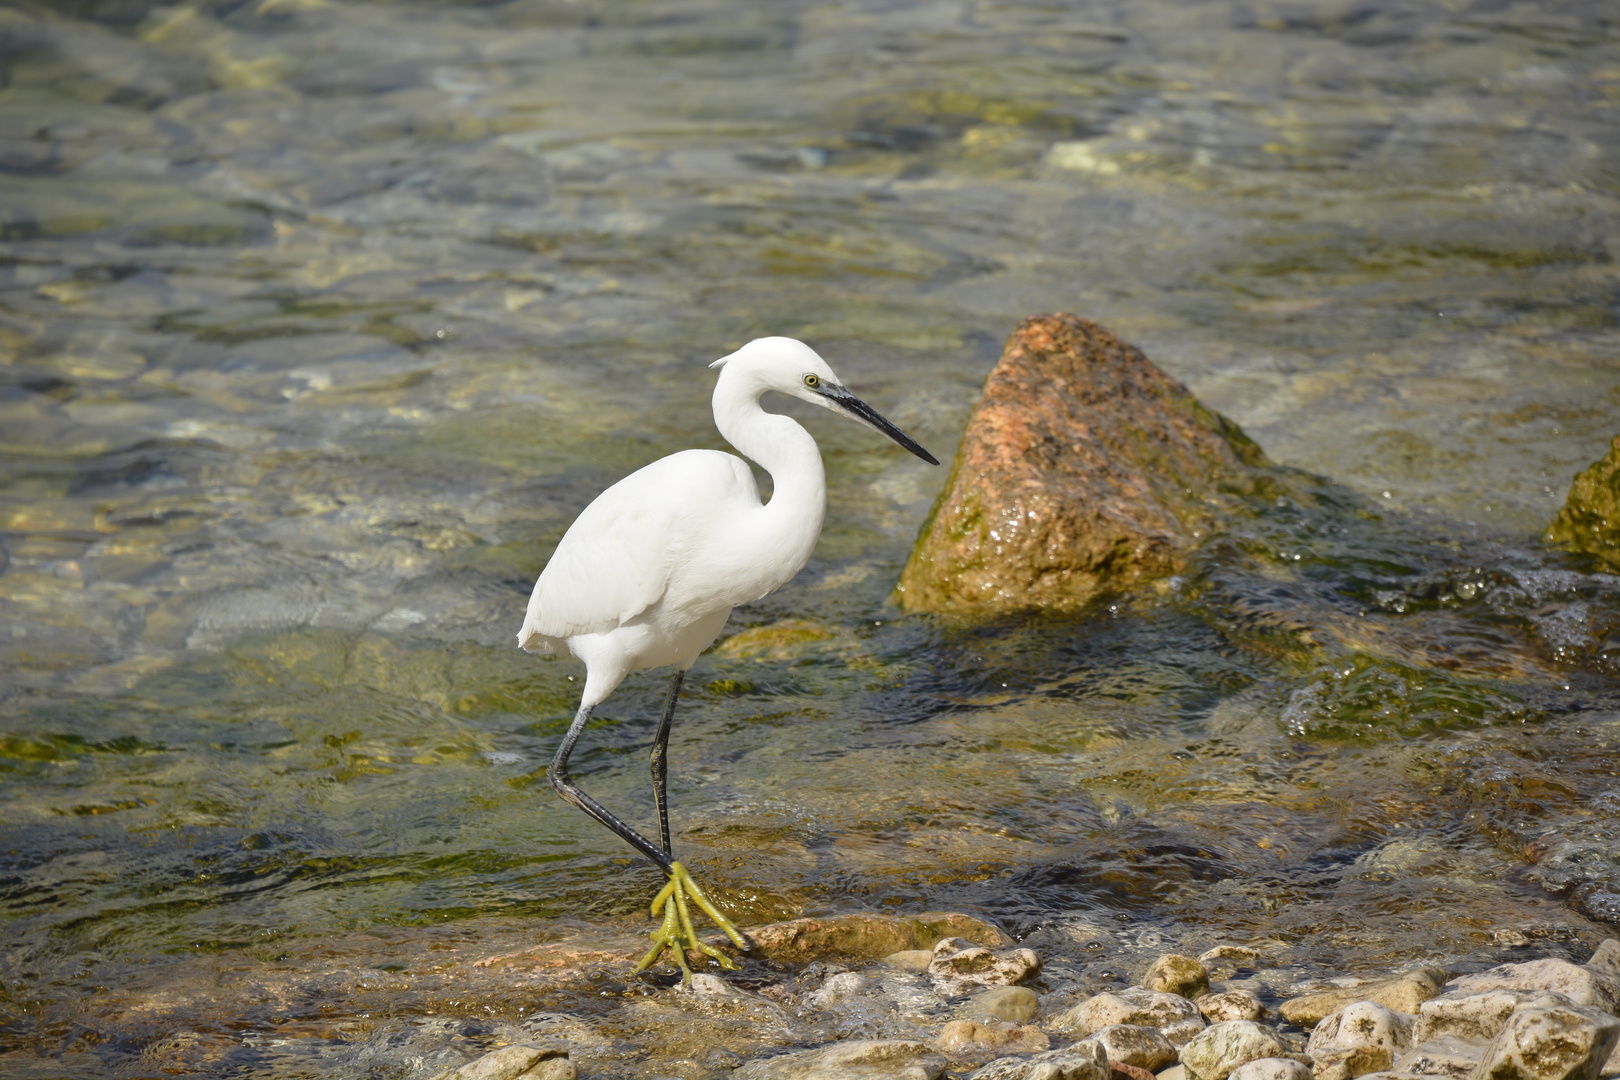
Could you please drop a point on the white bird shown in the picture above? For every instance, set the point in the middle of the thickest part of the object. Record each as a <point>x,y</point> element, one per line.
<point>648,574</point>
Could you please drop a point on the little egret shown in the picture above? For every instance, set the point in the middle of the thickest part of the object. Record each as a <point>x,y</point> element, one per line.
<point>648,574</point>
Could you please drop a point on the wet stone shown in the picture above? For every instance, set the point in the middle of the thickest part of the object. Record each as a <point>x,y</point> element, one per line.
<point>1143,1047</point>
<point>858,1059</point>
<point>1362,1024</point>
<point>959,965</point>
<point>1016,1003</point>
<point>1173,973</point>
<point>866,936</point>
<point>516,1063</point>
<point>910,959</point>
<point>1230,1005</point>
<point>1590,519</point>
<point>1404,993</point>
<point>1083,1061</point>
<point>1444,1056</point>
<point>1171,1014</point>
<point>844,986</point>
<point>1474,1016</point>
<point>961,1037</point>
<point>1557,1042</point>
<point>1216,1051</point>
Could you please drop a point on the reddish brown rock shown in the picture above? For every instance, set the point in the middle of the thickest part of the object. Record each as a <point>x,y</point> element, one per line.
<point>868,936</point>
<point>1084,468</point>
<point>1118,1070</point>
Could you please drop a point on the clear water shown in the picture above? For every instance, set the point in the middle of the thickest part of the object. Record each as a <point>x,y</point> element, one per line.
<point>319,321</point>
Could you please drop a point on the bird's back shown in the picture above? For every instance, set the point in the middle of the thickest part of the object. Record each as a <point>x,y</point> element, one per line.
<point>619,557</point>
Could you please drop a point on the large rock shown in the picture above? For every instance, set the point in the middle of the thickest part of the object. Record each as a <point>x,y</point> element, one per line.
<point>1582,985</point>
<point>1171,1014</point>
<point>1404,993</point>
<point>1590,519</point>
<point>1360,1038</point>
<point>1557,1042</point>
<point>1082,1061</point>
<point>858,1059</point>
<point>1477,1017</point>
<point>1445,1056</point>
<point>1083,468</point>
<point>1143,1047</point>
<point>1219,1049</point>
<point>867,936</point>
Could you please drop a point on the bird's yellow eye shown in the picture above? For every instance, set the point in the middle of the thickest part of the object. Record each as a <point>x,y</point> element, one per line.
<point>812,381</point>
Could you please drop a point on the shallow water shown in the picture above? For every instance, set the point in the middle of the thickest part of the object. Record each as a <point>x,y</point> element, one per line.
<point>319,321</point>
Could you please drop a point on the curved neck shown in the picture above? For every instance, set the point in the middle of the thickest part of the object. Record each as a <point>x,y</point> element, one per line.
<point>777,443</point>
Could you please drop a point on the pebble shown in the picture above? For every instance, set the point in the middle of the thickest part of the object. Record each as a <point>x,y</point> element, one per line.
<point>1271,1069</point>
<point>1016,1003</point>
<point>1404,993</point>
<point>971,1037</point>
<point>1216,1051</point>
<point>1173,1015</point>
<point>1173,973</point>
<point>857,1059</point>
<point>1143,1047</point>
<point>1230,1005</point>
<point>516,1063</point>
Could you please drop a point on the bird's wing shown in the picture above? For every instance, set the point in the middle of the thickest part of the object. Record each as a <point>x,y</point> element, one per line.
<point>617,557</point>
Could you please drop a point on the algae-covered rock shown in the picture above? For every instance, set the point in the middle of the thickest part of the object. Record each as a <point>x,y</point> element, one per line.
<point>1590,519</point>
<point>1084,468</point>
<point>867,936</point>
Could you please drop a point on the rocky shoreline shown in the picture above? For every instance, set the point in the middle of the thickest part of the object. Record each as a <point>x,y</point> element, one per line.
<point>973,1008</point>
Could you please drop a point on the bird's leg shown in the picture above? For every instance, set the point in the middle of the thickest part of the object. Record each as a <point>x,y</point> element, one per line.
<point>676,934</point>
<point>660,764</point>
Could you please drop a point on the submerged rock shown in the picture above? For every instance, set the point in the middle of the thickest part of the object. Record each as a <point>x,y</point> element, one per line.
<point>1083,468</point>
<point>858,1059</point>
<point>1590,519</point>
<point>1171,1014</point>
<point>1016,1003</point>
<point>867,936</point>
<point>516,1063</point>
<point>1404,993</point>
<point>971,1037</point>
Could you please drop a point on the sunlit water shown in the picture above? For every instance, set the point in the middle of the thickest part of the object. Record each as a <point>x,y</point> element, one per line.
<point>321,320</point>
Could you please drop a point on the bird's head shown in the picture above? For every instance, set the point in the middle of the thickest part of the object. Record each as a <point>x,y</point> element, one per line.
<point>791,367</point>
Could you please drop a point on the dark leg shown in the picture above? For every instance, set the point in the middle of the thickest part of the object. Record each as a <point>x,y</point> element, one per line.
<point>558,774</point>
<point>660,766</point>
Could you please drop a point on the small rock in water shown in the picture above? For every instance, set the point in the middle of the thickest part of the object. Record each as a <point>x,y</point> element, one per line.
<point>1082,1061</point>
<point>1173,1015</point>
<point>858,1059</point>
<point>1404,993</point>
<point>839,988</point>
<point>1580,984</point>
<point>1216,1051</point>
<point>910,959</point>
<point>1271,1069</point>
<point>1143,1047</point>
<point>1237,954</point>
<point>1590,519</point>
<point>1173,973</point>
<point>516,1063</point>
<point>1558,1042</point>
<point>1231,1005</point>
<point>959,965</point>
<point>972,1037</point>
<point>1016,1003</point>
<point>867,936</point>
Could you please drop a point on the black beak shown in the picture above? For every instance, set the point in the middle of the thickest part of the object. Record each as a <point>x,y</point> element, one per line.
<point>856,409</point>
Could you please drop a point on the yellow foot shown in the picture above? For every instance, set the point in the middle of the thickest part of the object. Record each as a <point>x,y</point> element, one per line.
<point>676,935</point>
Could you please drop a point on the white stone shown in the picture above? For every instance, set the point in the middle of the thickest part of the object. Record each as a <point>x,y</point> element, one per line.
<point>1475,1016</point>
<point>1144,1047</point>
<point>959,965</point>
<point>1216,1051</point>
<point>1361,1024</point>
<point>857,1059</point>
<point>1443,1056</point>
<point>1082,1061</point>
<point>1581,985</point>
<point>1271,1069</point>
<point>839,988</point>
<point>1172,1015</point>
<point>1558,1042</point>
